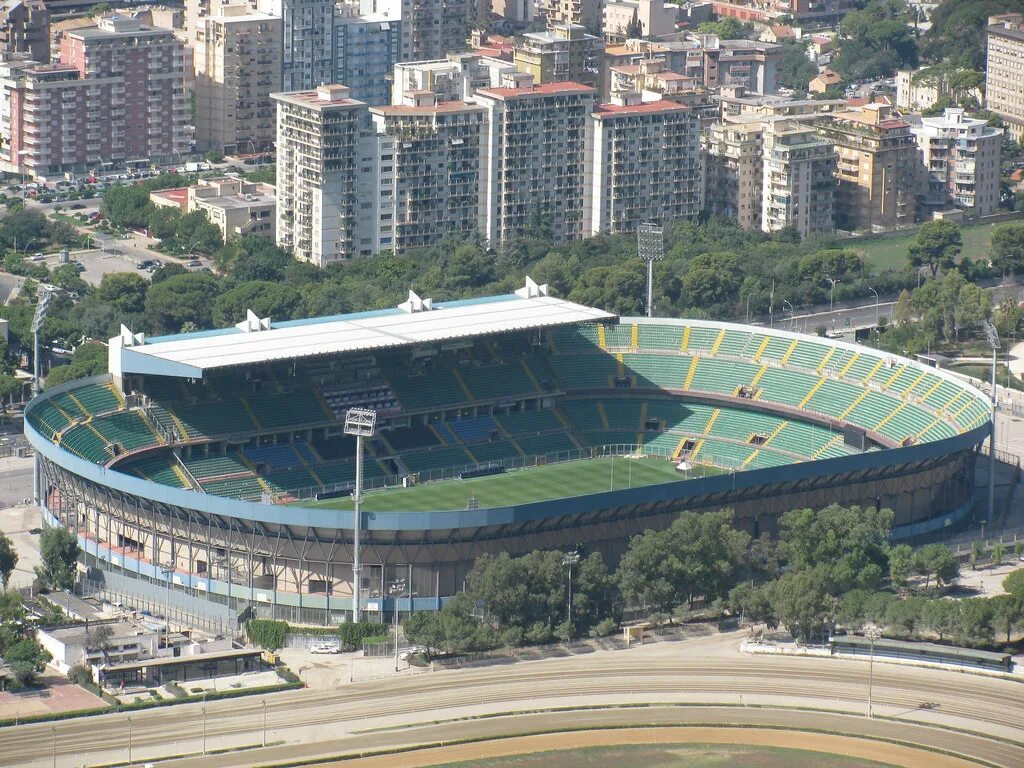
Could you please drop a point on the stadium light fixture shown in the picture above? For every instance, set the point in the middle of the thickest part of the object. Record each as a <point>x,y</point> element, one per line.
<point>993,339</point>
<point>42,306</point>
<point>872,633</point>
<point>359,422</point>
<point>569,561</point>
<point>650,246</point>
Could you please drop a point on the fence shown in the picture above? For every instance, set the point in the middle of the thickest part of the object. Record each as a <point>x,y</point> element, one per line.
<point>173,610</point>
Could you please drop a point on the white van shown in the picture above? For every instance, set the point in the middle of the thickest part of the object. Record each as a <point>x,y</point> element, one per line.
<point>325,648</point>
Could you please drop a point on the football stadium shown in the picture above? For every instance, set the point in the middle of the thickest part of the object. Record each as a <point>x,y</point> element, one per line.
<point>216,465</point>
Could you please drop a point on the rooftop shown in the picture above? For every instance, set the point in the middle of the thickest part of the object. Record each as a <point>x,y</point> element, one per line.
<point>414,322</point>
<point>316,99</point>
<point>546,89</point>
<point>433,109</point>
<point>647,107</point>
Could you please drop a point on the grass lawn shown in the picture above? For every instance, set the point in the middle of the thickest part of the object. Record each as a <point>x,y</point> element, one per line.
<point>673,756</point>
<point>891,252</point>
<point>984,372</point>
<point>552,481</point>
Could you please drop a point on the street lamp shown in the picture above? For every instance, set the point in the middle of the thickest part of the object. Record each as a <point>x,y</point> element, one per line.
<point>752,293</point>
<point>831,292</point>
<point>396,590</point>
<point>650,246</point>
<point>204,731</point>
<point>359,422</point>
<point>167,569</point>
<point>876,303</point>
<point>872,633</point>
<point>42,305</point>
<point>792,313</point>
<point>993,339</point>
<point>569,561</point>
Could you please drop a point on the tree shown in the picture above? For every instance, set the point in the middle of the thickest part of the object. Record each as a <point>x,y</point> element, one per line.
<point>1007,614</point>
<point>1008,247</point>
<point>848,545</point>
<point>726,28</point>
<point>180,299</point>
<point>126,291</point>
<point>1014,584</point>
<point>936,560</point>
<point>266,299</point>
<point>998,550</point>
<point>795,70</point>
<point>635,28</point>
<point>127,207</point>
<point>754,603</point>
<point>98,640</point>
<point>940,616</point>
<point>901,561</point>
<point>973,624</point>
<point>8,560</point>
<point>27,658</point>
<point>801,602</point>
<point>904,616</point>
<point>59,551</point>
<point>936,246</point>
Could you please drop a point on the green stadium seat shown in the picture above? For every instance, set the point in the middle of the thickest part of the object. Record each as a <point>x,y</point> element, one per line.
<point>96,398</point>
<point>128,428</point>
<point>216,466</point>
<point>530,422</point>
<point>282,410</point>
<point>668,337</point>
<point>540,445</point>
<point>495,382</point>
<point>155,468</point>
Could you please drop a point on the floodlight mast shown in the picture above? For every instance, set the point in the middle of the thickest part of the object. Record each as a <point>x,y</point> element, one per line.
<point>359,422</point>
<point>42,306</point>
<point>993,339</point>
<point>650,246</point>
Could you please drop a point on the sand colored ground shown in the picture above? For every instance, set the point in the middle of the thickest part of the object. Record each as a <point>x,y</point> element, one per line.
<point>892,754</point>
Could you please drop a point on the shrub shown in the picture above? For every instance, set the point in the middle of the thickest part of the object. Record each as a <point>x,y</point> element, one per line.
<point>604,628</point>
<point>80,674</point>
<point>176,690</point>
<point>266,633</point>
<point>351,636</point>
<point>287,675</point>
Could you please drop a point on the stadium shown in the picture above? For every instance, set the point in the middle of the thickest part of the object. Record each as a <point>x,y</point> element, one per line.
<point>214,465</point>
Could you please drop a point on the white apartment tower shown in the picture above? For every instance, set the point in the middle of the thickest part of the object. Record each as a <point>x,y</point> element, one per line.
<point>798,184</point>
<point>322,143</point>
<point>735,170</point>
<point>646,165</point>
<point>961,160</point>
<point>535,159</point>
<point>307,41</point>
<point>436,153</point>
<point>237,64</point>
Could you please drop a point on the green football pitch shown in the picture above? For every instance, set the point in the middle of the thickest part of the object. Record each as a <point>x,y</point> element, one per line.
<point>551,481</point>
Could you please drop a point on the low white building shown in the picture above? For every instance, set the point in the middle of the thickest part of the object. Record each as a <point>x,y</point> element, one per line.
<point>70,646</point>
<point>234,206</point>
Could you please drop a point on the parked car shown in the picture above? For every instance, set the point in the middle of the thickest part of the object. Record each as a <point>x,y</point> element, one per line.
<point>320,648</point>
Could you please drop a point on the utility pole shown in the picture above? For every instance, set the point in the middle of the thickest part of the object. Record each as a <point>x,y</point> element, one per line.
<point>650,246</point>
<point>873,633</point>
<point>569,561</point>
<point>359,422</point>
<point>395,590</point>
<point>993,340</point>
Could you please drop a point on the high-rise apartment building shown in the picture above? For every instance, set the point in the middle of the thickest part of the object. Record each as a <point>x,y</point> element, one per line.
<point>431,28</point>
<point>434,174</point>
<point>323,143</point>
<point>734,170</point>
<point>798,179</point>
<point>366,48</point>
<point>584,13</point>
<point>307,41</point>
<point>535,159</point>
<point>564,53</point>
<point>237,59</point>
<point>25,28</point>
<point>454,78</point>
<point>129,74</point>
<point>646,165</point>
<point>961,163</point>
<point>877,167</point>
<point>1004,71</point>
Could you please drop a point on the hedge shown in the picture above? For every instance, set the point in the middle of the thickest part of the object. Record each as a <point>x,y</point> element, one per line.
<point>273,635</point>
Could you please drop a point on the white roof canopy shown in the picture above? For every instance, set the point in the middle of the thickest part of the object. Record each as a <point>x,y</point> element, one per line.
<point>416,321</point>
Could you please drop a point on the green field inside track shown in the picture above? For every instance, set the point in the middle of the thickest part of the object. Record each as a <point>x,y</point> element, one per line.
<point>552,481</point>
<point>891,252</point>
<point>673,756</point>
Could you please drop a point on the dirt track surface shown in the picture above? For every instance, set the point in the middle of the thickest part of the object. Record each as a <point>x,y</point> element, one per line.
<point>892,754</point>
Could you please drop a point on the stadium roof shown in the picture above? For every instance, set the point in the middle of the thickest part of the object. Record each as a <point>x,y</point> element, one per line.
<point>416,321</point>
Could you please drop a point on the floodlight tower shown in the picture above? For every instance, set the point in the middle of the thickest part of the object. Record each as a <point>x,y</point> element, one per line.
<point>993,340</point>
<point>359,422</point>
<point>650,246</point>
<point>42,305</point>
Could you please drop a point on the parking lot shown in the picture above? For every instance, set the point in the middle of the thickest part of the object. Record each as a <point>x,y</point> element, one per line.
<point>98,263</point>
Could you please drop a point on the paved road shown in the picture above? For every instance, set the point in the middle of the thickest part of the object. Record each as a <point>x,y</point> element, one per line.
<point>323,723</point>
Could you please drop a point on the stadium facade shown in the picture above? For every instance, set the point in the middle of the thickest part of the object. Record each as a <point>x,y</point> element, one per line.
<point>199,464</point>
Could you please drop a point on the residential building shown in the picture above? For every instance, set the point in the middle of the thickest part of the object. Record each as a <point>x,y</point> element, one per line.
<point>129,73</point>
<point>70,646</point>
<point>454,78</point>
<point>25,28</point>
<point>582,13</point>
<point>961,163</point>
<point>307,41</point>
<point>779,33</point>
<point>431,28</point>
<point>1004,71</point>
<point>366,49</point>
<point>435,151</point>
<point>653,80</point>
<point>916,91</point>
<point>234,206</point>
<point>877,167</point>
<point>645,165</point>
<point>535,159</point>
<point>519,11</point>
<point>734,171</point>
<point>655,18</point>
<point>734,100</point>
<point>237,60</point>
<point>564,53</point>
<point>323,144</point>
<point>825,80</point>
<point>798,179</point>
